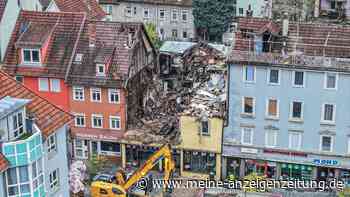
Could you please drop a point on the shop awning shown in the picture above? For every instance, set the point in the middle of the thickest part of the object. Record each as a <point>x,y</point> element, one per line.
<point>97,134</point>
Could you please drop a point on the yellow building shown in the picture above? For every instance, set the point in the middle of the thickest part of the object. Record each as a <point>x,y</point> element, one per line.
<point>201,147</point>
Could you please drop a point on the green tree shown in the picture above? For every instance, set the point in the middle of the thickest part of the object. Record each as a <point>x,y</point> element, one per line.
<point>153,35</point>
<point>95,164</point>
<point>212,18</point>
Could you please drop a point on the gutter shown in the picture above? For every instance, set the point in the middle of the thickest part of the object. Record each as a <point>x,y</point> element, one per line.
<point>75,47</point>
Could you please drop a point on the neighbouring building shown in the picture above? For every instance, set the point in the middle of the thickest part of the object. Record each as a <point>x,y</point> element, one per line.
<point>296,10</point>
<point>287,88</point>
<point>9,11</point>
<point>332,9</point>
<point>253,8</point>
<point>41,50</point>
<point>90,7</point>
<point>105,84</point>
<point>33,143</point>
<point>172,18</point>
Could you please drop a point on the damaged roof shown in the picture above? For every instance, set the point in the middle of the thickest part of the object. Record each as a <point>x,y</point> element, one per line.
<point>185,3</point>
<point>90,7</point>
<point>179,47</point>
<point>48,116</point>
<point>60,30</point>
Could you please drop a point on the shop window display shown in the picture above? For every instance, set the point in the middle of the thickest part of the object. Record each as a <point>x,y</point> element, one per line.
<point>199,162</point>
<point>296,172</point>
<point>262,168</point>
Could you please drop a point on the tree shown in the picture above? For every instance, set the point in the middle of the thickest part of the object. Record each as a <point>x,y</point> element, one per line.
<point>95,164</point>
<point>153,35</point>
<point>212,18</point>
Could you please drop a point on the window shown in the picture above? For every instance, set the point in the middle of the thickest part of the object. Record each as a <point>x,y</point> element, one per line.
<point>78,57</point>
<point>184,16</point>
<point>146,13</point>
<point>331,81</point>
<point>298,79</point>
<point>274,77</point>
<point>295,140</point>
<point>43,84</point>
<point>174,15</point>
<point>18,181</point>
<point>248,105</point>
<point>128,11</point>
<point>174,33</point>
<point>249,74</point>
<point>199,162</point>
<point>17,121</point>
<point>100,70</point>
<point>54,179</point>
<point>51,143</point>
<point>241,11</point>
<point>108,9</point>
<point>272,108</point>
<point>31,56</point>
<point>55,85</point>
<point>19,78</point>
<point>184,34</point>
<point>135,11</point>
<point>110,148</point>
<point>247,136</point>
<point>114,122</point>
<point>205,130</point>
<point>113,95</point>
<point>328,111</point>
<point>78,93</point>
<point>296,110</point>
<point>326,143</point>
<point>95,94</point>
<point>80,120</point>
<point>97,121</point>
<point>162,14</point>
<point>271,138</point>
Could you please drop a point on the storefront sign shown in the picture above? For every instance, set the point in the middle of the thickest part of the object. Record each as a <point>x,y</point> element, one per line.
<point>249,150</point>
<point>281,152</point>
<point>326,162</point>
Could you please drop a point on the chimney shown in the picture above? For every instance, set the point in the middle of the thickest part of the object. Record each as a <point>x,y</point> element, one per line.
<point>285,25</point>
<point>92,34</point>
<point>317,8</point>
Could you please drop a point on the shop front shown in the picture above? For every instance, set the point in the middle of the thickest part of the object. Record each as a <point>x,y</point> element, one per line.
<point>290,171</point>
<point>260,167</point>
<point>201,163</point>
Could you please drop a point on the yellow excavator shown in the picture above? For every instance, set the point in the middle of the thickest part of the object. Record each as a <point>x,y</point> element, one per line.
<point>120,187</point>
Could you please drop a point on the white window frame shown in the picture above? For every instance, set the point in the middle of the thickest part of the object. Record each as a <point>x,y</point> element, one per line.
<point>126,11</point>
<point>112,91</point>
<point>332,143</point>
<point>148,16</point>
<point>323,111</point>
<point>52,146</point>
<point>244,74</point>
<point>277,108</point>
<point>291,111</point>
<point>31,57</point>
<point>251,136</point>
<point>290,140</point>
<point>76,120</point>
<point>243,103</point>
<point>108,9</point>
<point>98,73</point>
<point>91,95</point>
<point>164,11</point>
<point>269,76</point>
<point>184,12</point>
<point>274,132</point>
<point>54,183</point>
<point>304,79</point>
<point>110,122</point>
<point>176,12</point>
<point>326,80</point>
<point>46,80</point>
<point>75,95</point>
<point>92,121</point>
<point>52,85</point>
<point>20,129</point>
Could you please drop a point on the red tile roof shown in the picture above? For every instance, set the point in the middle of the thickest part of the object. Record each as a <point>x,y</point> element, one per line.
<point>3,163</point>
<point>35,35</point>
<point>2,7</point>
<point>48,117</point>
<point>90,7</point>
<point>66,29</point>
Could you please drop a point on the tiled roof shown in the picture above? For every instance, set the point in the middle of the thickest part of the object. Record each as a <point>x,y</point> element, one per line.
<point>66,29</point>
<point>2,7</point>
<point>48,117</point>
<point>90,7</point>
<point>187,3</point>
<point>45,3</point>
<point>110,48</point>
<point>3,163</point>
<point>35,35</point>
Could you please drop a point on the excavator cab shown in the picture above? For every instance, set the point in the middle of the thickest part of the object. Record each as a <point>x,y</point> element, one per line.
<point>102,189</point>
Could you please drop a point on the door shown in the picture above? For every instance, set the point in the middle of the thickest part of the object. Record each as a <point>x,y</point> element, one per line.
<point>81,149</point>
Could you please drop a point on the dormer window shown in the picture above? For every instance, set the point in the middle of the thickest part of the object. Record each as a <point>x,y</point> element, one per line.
<point>31,56</point>
<point>100,70</point>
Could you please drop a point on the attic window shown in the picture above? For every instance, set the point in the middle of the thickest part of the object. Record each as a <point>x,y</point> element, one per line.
<point>78,57</point>
<point>100,70</point>
<point>31,56</point>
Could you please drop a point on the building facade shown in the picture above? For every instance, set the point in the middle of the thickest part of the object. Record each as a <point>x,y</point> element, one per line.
<point>173,19</point>
<point>285,117</point>
<point>33,149</point>
<point>254,8</point>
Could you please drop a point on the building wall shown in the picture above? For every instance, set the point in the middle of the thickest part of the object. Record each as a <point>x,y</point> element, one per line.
<point>104,107</point>
<point>118,14</point>
<point>313,96</point>
<point>58,98</point>
<point>258,7</point>
<point>58,161</point>
<point>2,183</point>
